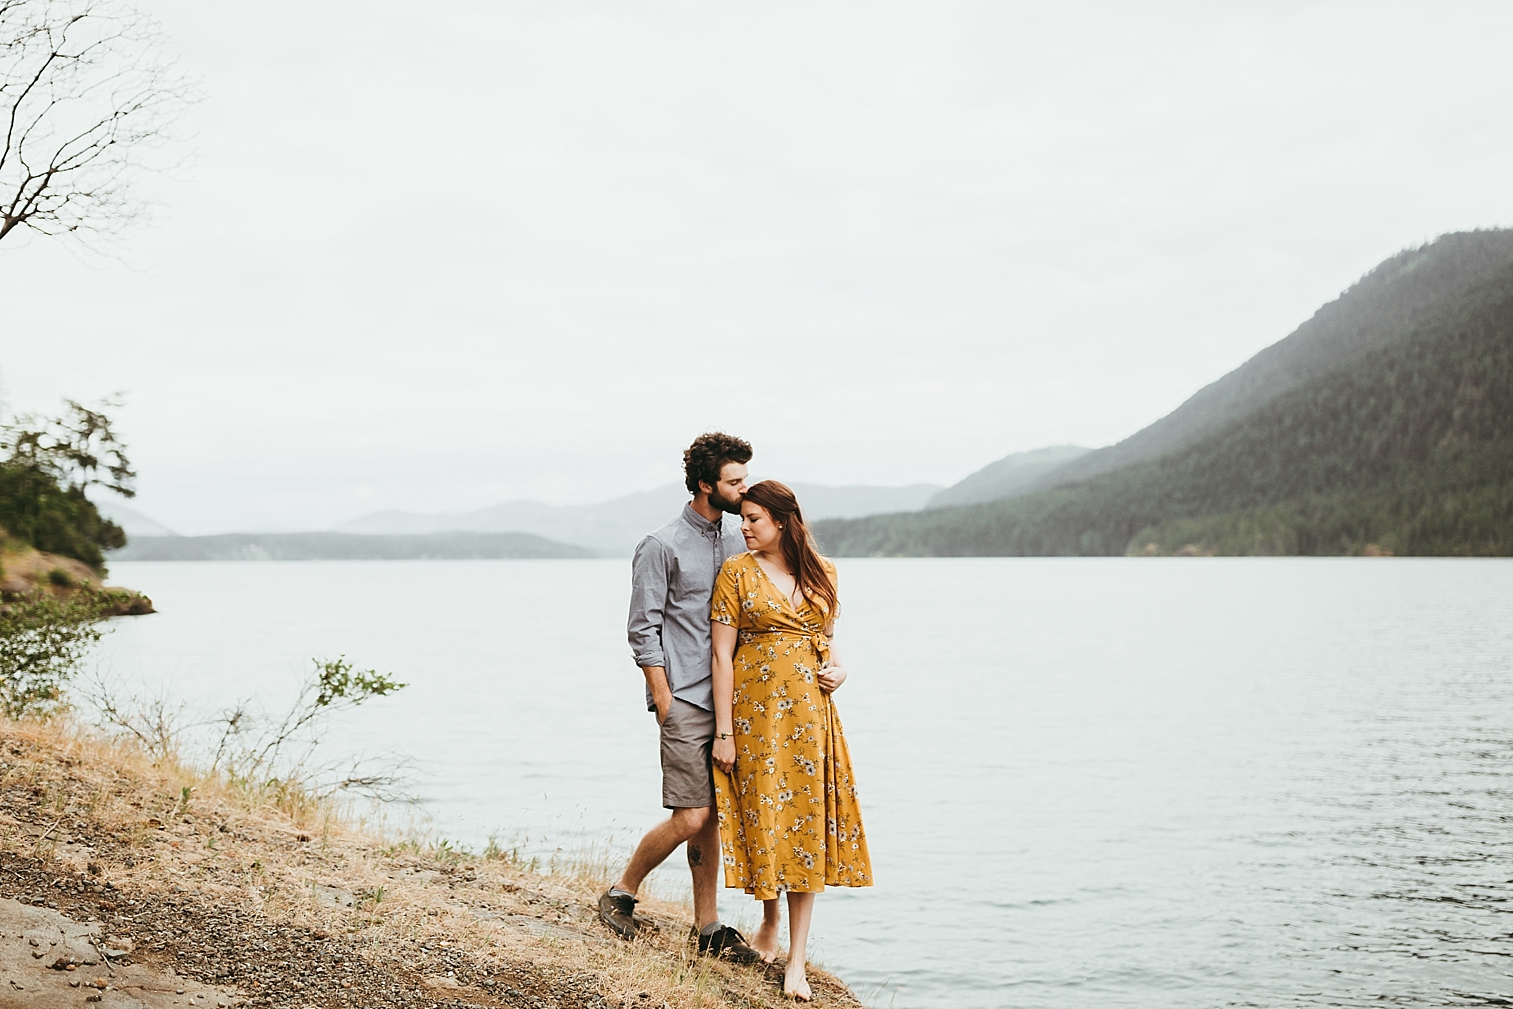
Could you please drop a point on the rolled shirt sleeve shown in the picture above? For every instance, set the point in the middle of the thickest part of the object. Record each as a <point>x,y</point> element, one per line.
<point>671,575</point>
<point>648,603</point>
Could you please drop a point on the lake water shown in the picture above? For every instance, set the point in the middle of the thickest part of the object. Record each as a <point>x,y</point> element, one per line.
<point>1086,782</point>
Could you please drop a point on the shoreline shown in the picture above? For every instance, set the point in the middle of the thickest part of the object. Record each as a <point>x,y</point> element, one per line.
<point>182,883</point>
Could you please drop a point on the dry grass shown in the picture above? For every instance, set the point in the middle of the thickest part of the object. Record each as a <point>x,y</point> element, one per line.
<point>441,913</point>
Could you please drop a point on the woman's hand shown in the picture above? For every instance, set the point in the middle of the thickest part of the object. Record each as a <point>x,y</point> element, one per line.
<point>723,754</point>
<point>831,678</point>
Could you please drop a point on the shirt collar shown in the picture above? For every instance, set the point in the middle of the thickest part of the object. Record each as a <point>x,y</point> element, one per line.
<point>699,522</point>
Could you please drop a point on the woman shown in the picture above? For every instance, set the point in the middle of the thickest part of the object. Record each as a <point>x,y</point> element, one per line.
<point>784,793</point>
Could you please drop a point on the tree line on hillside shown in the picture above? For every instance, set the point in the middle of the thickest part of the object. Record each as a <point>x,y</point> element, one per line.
<point>1408,447</point>
<point>46,466</point>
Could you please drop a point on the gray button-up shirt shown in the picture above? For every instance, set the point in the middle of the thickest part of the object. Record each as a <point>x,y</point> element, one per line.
<point>671,580</point>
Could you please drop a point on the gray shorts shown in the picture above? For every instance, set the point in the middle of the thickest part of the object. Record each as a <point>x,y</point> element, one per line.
<point>687,735</point>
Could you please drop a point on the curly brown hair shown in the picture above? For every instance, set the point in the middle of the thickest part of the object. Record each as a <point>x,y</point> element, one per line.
<point>703,460</point>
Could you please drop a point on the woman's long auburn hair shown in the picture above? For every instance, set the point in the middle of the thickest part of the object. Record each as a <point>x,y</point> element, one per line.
<point>803,560</point>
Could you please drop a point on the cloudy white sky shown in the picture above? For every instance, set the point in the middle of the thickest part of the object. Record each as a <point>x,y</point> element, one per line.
<point>439,256</point>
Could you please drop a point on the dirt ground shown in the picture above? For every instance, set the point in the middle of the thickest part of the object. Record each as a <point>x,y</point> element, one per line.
<point>129,882</point>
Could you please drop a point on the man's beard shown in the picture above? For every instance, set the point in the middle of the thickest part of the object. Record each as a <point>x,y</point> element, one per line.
<point>724,504</point>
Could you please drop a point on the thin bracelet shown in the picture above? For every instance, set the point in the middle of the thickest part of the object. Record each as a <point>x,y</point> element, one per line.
<point>723,735</point>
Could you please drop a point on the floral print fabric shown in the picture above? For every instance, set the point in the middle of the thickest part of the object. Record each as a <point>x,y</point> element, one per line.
<point>789,817</point>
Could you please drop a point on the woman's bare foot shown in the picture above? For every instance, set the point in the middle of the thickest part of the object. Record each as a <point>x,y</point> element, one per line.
<point>796,983</point>
<point>765,941</point>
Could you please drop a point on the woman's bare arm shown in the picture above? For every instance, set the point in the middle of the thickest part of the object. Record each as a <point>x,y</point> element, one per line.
<point>722,677</point>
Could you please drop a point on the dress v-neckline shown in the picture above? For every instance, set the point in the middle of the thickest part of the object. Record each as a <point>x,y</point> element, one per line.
<point>792,607</point>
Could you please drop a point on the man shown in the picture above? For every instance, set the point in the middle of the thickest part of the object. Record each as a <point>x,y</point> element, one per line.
<point>672,578</point>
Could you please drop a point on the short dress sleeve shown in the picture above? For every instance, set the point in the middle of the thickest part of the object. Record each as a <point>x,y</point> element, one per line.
<point>725,603</point>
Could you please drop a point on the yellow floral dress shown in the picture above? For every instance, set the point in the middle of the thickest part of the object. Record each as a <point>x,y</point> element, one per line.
<point>788,814</point>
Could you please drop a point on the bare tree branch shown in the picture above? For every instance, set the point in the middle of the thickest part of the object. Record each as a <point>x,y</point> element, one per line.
<point>85,94</point>
<point>155,721</point>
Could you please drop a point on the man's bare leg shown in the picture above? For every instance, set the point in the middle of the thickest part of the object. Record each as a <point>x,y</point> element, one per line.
<point>704,864</point>
<point>661,841</point>
<point>800,911</point>
<point>765,941</point>
<point>701,829</point>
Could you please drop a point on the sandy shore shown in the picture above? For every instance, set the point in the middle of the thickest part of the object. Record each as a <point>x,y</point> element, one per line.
<point>118,886</point>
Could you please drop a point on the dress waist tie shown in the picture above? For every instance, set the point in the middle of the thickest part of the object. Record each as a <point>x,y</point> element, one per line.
<point>820,642</point>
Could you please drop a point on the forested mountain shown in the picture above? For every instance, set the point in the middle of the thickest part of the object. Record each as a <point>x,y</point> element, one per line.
<point>1380,307</point>
<point>1407,447</point>
<point>1007,476</point>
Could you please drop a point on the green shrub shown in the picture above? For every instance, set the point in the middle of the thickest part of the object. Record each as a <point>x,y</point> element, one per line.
<point>43,639</point>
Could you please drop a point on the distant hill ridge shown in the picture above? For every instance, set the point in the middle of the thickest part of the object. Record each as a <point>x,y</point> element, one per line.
<point>513,529</point>
<point>325,546</point>
<point>1008,476</point>
<point>132,522</point>
<point>1386,425</point>
<point>616,526</point>
<point>1380,307</point>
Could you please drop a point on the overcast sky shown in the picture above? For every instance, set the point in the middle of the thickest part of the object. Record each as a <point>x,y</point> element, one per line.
<point>434,257</point>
